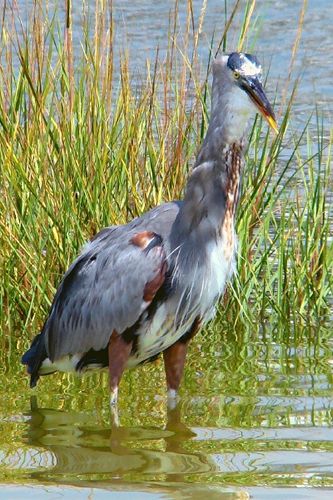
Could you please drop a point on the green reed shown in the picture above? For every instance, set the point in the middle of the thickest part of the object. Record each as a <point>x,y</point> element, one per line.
<point>80,150</point>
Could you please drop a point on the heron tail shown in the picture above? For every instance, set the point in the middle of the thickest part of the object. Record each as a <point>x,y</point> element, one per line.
<point>34,358</point>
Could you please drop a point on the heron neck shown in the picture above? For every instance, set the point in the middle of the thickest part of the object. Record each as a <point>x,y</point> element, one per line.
<point>222,135</point>
<point>210,200</point>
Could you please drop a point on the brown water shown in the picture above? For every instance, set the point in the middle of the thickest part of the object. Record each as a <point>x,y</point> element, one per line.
<point>255,418</point>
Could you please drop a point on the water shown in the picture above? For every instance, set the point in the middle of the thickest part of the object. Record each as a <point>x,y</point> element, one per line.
<point>272,40</point>
<point>255,417</point>
<point>142,27</point>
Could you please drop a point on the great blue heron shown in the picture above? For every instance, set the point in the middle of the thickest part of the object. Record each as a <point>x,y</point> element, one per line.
<point>146,287</point>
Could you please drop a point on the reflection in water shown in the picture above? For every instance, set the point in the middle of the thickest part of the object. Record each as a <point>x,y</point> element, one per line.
<point>71,447</point>
<point>80,452</point>
<point>78,447</point>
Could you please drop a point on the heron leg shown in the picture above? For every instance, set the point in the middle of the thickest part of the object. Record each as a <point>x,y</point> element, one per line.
<point>119,351</point>
<point>174,361</point>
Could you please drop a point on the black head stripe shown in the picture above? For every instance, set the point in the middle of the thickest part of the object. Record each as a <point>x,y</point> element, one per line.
<point>237,61</point>
<point>234,61</point>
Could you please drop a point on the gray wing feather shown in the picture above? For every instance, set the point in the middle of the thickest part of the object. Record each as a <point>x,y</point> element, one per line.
<point>103,289</point>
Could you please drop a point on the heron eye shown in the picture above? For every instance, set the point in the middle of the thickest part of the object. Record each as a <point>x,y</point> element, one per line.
<point>236,74</point>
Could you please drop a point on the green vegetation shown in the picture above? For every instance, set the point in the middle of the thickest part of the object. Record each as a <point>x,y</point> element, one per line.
<point>80,150</point>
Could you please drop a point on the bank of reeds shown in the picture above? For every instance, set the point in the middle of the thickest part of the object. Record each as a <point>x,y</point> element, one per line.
<point>81,149</point>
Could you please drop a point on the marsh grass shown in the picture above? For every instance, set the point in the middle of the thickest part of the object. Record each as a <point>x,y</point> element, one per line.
<point>80,150</point>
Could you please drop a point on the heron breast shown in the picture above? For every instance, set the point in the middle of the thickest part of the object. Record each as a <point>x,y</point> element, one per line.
<point>221,257</point>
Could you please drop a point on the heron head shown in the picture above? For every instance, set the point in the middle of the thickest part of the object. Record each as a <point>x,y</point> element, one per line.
<point>245,74</point>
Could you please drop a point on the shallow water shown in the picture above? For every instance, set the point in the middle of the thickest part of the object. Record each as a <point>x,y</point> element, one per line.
<point>255,418</point>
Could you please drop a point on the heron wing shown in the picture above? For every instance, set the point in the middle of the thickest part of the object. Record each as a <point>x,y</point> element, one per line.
<point>110,284</point>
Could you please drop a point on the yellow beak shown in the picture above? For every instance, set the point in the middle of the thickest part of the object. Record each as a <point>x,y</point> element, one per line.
<point>255,91</point>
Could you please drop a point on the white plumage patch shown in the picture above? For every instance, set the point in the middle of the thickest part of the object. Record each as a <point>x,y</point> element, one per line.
<point>221,269</point>
<point>249,67</point>
<point>64,364</point>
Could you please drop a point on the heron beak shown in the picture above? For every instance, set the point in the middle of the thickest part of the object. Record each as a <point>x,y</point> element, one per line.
<point>255,91</point>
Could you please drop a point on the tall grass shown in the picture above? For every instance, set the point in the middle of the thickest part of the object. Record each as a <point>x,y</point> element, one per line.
<point>80,150</point>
